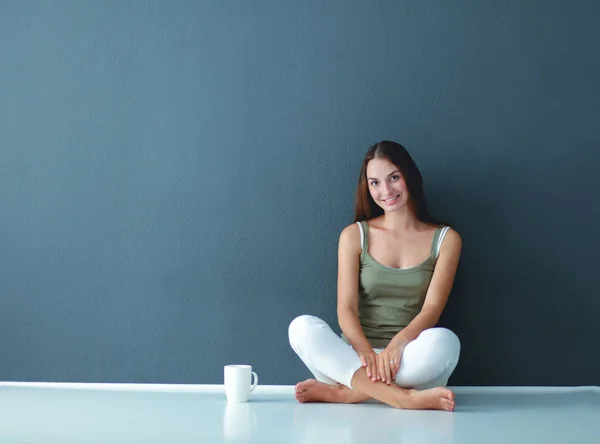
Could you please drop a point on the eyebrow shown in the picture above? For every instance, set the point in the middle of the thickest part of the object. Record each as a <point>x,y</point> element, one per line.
<point>393,172</point>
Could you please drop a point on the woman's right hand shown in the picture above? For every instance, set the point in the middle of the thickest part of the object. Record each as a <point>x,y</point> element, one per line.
<point>369,362</point>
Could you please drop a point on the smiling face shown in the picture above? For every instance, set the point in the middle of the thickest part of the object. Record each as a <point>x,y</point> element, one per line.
<point>386,185</point>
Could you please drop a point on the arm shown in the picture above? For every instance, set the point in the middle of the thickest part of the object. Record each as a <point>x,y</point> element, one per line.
<point>437,293</point>
<point>347,308</point>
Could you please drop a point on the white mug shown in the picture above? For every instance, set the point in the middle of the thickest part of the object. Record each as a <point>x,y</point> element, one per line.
<point>238,384</point>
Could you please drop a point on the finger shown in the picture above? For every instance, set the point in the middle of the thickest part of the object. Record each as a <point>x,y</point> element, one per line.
<point>397,363</point>
<point>374,372</point>
<point>388,372</point>
<point>366,365</point>
<point>380,361</point>
<point>392,362</point>
<point>394,368</point>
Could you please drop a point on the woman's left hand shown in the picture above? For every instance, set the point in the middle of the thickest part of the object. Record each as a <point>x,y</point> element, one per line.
<point>388,362</point>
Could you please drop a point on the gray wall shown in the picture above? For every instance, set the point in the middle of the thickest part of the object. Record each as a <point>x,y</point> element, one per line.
<point>174,177</point>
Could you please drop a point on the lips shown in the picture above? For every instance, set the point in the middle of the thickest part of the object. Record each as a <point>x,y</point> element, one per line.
<point>391,200</point>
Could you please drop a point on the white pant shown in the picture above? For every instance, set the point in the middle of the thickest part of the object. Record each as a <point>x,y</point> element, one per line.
<point>426,362</point>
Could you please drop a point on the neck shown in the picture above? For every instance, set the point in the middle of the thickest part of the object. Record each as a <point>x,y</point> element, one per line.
<point>401,220</point>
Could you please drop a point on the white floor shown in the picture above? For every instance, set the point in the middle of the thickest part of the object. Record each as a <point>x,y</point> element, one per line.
<point>95,413</point>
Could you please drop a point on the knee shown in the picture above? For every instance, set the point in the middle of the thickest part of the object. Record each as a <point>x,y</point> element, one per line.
<point>301,327</point>
<point>446,343</point>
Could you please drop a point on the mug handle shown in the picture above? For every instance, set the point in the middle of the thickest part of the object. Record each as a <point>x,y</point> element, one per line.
<point>255,377</point>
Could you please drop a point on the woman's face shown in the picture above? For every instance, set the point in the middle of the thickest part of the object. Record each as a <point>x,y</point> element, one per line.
<point>386,184</point>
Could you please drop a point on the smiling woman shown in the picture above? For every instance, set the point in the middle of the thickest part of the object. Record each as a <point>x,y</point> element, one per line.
<point>396,267</point>
<point>379,159</point>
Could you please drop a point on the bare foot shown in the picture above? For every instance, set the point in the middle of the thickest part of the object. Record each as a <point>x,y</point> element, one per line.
<point>312,390</point>
<point>439,398</point>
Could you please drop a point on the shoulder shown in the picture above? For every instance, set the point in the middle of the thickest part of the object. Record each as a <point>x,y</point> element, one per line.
<point>452,241</point>
<point>352,231</point>
<point>350,237</point>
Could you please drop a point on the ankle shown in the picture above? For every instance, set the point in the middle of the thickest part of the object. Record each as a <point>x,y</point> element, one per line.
<point>343,394</point>
<point>403,398</point>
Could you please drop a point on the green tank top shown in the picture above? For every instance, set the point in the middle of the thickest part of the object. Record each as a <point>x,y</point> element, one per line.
<point>390,298</point>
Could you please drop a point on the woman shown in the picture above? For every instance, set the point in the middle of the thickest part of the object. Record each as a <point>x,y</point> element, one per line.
<point>396,267</point>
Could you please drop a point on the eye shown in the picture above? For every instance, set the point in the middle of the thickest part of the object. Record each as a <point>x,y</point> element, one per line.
<point>395,177</point>
<point>373,183</point>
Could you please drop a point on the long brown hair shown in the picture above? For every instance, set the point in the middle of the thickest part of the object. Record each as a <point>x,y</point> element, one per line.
<point>366,208</point>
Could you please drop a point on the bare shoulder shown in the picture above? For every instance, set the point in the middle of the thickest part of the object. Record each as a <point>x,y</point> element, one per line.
<point>350,237</point>
<point>452,241</point>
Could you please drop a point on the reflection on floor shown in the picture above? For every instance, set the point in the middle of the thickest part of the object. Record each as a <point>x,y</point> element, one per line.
<point>62,413</point>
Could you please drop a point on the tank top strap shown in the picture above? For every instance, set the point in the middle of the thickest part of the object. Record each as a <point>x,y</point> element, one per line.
<point>434,244</point>
<point>364,235</point>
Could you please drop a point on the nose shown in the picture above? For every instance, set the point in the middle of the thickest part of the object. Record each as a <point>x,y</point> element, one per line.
<point>386,189</point>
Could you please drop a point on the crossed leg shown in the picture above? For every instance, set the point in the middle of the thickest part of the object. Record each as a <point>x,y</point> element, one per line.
<point>419,384</point>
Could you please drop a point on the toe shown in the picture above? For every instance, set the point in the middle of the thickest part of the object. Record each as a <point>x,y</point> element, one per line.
<point>448,405</point>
